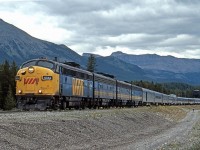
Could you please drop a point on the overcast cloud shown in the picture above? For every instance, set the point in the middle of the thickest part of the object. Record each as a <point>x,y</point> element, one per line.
<point>164,27</point>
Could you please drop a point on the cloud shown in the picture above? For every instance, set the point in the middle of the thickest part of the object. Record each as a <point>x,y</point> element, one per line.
<point>150,26</point>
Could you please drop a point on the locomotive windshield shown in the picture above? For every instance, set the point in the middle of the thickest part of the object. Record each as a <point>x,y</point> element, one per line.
<point>30,63</point>
<point>45,64</point>
<point>41,63</point>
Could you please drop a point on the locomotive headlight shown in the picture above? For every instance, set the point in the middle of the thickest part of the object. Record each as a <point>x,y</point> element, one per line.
<point>20,91</point>
<point>40,91</point>
<point>30,69</point>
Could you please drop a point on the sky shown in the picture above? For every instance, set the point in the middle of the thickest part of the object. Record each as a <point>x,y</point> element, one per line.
<point>163,27</point>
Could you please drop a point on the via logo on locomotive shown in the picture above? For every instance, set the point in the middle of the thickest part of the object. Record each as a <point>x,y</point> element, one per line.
<point>31,80</point>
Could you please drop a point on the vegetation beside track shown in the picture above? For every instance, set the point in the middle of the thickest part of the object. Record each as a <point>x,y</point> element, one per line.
<point>192,140</point>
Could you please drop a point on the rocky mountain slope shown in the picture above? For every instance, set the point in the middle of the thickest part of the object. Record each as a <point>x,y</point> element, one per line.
<point>17,45</point>
<point>118,68</point>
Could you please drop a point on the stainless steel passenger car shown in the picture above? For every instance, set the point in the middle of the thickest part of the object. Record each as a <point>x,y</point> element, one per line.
<point>148,96</point>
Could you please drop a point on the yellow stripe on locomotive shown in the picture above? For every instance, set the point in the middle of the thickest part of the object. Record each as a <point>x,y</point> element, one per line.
<point>77,87</point>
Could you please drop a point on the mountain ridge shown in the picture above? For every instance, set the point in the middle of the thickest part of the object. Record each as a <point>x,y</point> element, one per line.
<point>157,62</point>
<point>17,45</point>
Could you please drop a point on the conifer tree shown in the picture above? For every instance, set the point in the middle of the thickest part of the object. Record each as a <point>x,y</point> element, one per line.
<point>1,98</point>
<point>1,92</point>
<point>9,100</point>
<point>13,72</point>
<point>91,64</point>
<point>5,79</point>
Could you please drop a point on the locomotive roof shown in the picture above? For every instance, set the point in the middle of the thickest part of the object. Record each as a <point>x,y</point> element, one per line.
<point>60,64</point>
<point>73,68</point>
<point>104,77</point>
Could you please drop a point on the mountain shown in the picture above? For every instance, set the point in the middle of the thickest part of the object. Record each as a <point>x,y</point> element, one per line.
<point>118,68</point>
<point>164,68</point>
<point>162,63</point>
<point>19,46</point>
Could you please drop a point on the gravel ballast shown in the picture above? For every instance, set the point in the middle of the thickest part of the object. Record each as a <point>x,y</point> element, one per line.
<point>87,129</point>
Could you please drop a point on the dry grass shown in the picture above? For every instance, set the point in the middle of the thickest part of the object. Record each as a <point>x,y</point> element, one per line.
<point>190,107</point>
<point>172,113</point>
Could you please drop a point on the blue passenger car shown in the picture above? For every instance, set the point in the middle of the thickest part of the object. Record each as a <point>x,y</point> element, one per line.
<point>136,95</point>
<point>104,90</point>
<point>123,93</point>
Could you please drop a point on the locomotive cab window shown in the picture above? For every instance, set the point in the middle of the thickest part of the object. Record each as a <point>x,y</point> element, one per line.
<point>46,64</point>
<point>28,64</point>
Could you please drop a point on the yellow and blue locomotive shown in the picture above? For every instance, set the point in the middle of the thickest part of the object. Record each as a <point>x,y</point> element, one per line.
<point>41,83</point>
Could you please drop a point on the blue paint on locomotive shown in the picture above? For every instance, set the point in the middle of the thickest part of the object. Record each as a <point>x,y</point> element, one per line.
<point>66,85</point>
<point>105,88</point>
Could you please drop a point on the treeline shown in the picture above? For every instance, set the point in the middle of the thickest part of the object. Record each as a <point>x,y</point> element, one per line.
<point>7,85</point>
<point>179,89</point>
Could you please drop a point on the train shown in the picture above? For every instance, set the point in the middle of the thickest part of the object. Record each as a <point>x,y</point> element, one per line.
<point>48,84</point>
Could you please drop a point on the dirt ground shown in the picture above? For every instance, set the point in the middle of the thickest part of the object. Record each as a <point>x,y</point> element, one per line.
<point>133,128</point>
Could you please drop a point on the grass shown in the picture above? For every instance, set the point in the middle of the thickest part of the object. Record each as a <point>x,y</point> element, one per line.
<point>190,107</point>
<point>173,113</point>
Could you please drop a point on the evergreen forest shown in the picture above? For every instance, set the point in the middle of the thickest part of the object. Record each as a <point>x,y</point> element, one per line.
<point>7,85</point>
